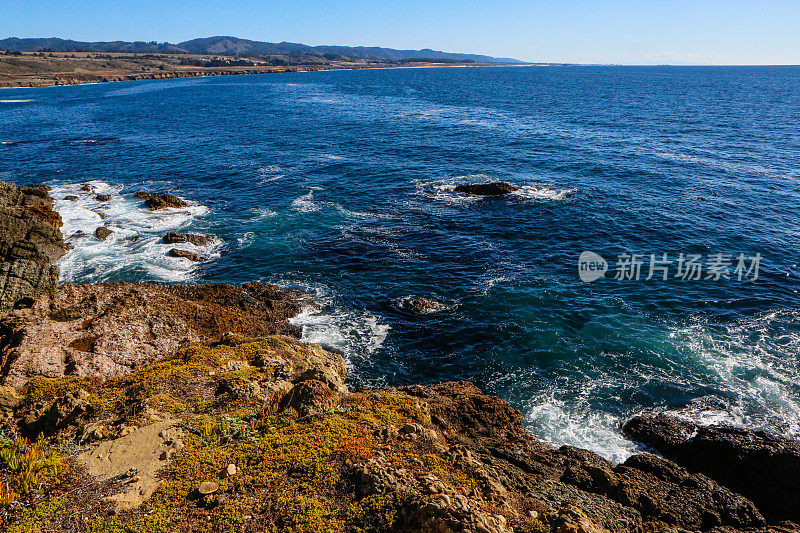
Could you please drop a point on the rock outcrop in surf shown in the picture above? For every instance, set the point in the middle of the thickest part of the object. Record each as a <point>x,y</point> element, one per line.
<point>764,467</point>
<point>497,188</point>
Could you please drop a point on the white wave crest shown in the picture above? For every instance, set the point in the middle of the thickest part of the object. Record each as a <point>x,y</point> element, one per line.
<point>754,364</point>
<point>443,189</point>
<point>305,203</point>
<point>356,335</point>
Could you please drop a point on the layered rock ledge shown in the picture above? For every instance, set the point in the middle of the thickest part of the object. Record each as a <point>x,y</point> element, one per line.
<point>30,242</point>
<point>141,407</point>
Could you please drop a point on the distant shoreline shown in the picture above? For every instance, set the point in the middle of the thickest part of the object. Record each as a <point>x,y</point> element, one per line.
<point>15,71</point>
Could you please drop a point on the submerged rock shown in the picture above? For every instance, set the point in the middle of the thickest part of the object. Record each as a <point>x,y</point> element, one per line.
<point>763,467</point>
<point>155,202</point>
<point>497,188</point>
<point>193,238</point>
<point>418,305</point>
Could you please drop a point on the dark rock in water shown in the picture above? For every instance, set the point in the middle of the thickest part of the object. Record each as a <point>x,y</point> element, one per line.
<point>164,200</point>
<point>497,188</point>
<point>418,305</point>
<point>30,242</point>
<point>183,254</point>
<point>102,233</point>
<point>87,188</point>
<point>143,195</point>
<point>763,467</point>
<point>70,198</point>
<point>103,197</point>
<point>662,432</point>
<point>193,238</point>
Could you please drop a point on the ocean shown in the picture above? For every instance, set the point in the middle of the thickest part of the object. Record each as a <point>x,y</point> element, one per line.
<point>342,184</point>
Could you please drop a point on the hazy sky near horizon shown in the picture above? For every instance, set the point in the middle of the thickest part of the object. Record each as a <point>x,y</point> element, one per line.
<point>614,31</point>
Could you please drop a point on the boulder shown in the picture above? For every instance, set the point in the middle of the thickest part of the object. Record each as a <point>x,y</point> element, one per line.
<point>763,467</point>
<point>71,198</point>
<point>155,202</point>
<point>103,197</point>
<point>192,238</point>
<point>310,397</point>
<point>66,410</point>
<point>497,188</point>
<point>184,254</point>
<point>143,195</point>
<point>102,233</point>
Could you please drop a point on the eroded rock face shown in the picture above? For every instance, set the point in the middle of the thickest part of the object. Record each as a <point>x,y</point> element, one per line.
<point>498,188</point>
<point>647,489</point>
<point>764,467</point>
<point>108,328</point>
<point>30,242</point>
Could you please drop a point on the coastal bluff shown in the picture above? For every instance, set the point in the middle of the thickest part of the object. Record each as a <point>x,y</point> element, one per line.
<point>144,407</point>
<point>30,244</point>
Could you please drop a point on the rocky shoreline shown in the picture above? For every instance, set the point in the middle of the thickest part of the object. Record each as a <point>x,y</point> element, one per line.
<point>83,76</point>
<point>144,407</point>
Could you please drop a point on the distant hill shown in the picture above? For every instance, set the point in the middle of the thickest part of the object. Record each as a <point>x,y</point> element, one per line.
<point>222,45</point>
<point>53,44</point>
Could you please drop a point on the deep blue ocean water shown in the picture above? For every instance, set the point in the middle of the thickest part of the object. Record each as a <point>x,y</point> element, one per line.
<point>340,183</point>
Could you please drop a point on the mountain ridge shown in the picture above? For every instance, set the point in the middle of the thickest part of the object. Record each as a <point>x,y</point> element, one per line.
<point>228,45</point>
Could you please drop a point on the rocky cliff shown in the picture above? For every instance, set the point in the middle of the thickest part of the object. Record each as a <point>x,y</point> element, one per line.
<point>152,408</point>
<point>30,242</point>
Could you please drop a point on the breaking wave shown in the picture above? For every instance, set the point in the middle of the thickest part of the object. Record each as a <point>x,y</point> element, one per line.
<point>135,250</point>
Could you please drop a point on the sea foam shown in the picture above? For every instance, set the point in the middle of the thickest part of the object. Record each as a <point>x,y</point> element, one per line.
<point>135,250</point>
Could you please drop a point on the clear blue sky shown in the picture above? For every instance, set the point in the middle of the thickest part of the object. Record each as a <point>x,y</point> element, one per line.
<point>628,32</point>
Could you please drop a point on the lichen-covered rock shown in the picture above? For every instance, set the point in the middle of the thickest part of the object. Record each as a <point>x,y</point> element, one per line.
<point>310,397</point>
<point>107,329</point>
<point>30,242</point>
<point>284,358</point>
